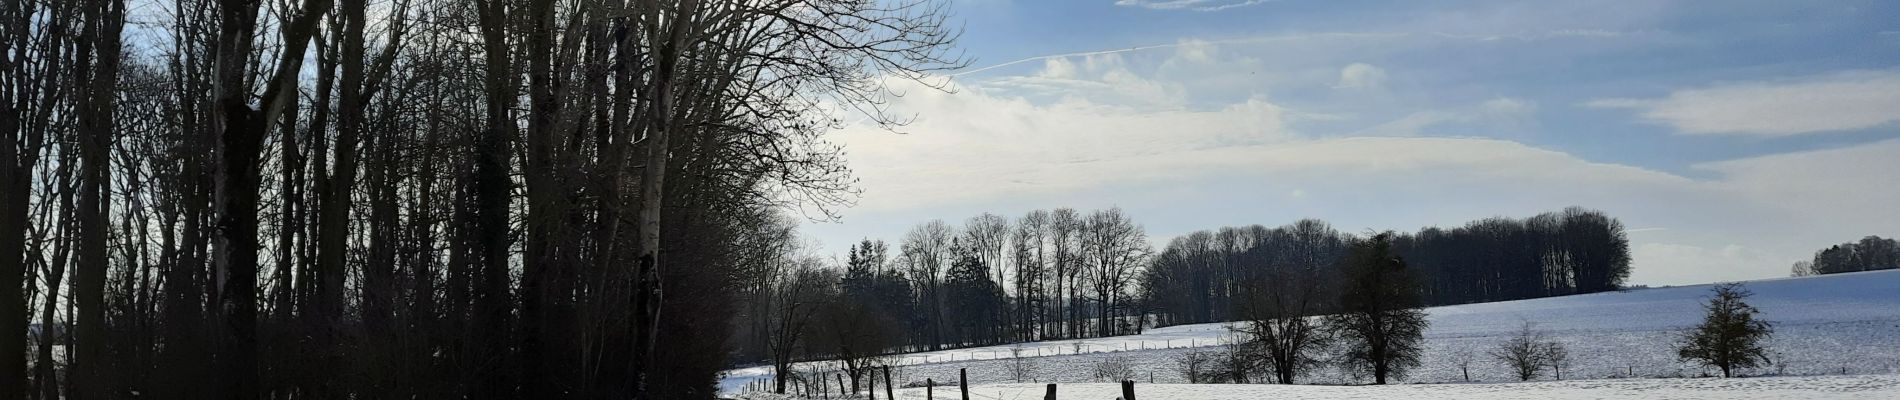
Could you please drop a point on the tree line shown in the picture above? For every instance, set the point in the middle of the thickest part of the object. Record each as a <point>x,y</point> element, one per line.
<point>1062,273</point>
<point>1049,274</point>
<point>1375,327</point>
<point>1871,253</point>
<point>1221,275</point>
<point>415,198</point>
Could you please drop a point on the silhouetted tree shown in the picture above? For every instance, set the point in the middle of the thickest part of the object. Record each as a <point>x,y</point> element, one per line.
<point>1379,323</point>
<point>1730,335</point>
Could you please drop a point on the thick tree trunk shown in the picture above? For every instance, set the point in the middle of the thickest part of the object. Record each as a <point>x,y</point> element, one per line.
<point>491,215</point>
<point>543,263</point>
<point>239,134</point>
<point>13,207</point>
<point>101,35</point>
<point>234,259</point>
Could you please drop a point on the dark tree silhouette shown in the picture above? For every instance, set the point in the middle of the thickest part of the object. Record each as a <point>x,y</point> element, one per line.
<point>1379,323</point>
<point>1730,335</point>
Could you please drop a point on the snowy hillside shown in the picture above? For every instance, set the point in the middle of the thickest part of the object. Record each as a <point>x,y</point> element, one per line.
<point>1833,324</point>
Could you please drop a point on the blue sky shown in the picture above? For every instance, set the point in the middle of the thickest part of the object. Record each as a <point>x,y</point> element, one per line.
<point>1734,138</point>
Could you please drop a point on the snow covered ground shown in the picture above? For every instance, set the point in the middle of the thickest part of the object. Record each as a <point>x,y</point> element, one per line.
<point>1800,387</point>
<point>1834,324</point>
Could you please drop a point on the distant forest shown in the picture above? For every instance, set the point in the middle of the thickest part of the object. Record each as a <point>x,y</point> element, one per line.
<point>1871,253</point>
<point>1200,277</point>
<point>1071,274</point>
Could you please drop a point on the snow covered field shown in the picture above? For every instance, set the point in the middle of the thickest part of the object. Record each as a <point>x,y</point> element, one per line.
<point>1797,387</point>
<point>1834,324</point>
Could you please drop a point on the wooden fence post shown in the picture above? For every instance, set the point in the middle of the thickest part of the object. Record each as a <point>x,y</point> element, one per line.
<point>873,388</point>
<point>930,389</point>
<point>887,385</point>
<point>1051,394</point>
<point>1128,390</point>
<point>963,382</point>
<point>841,386</point>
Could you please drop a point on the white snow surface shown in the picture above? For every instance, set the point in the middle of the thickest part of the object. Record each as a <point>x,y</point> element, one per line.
<point>1784,387</point>
<point>1842,324</point>
<point>1788,387</point>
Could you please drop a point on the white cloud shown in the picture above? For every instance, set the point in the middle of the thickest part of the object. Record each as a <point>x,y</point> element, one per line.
<point>1828,103</point>
<point>1509,107</point>
<point>1501,116</point>
<point>1196,50</point>
<point>1101,78</point>
<point>1196,5</point>
<point>1686,263</point>
<point>1845,192</point>
<point>975,145</point>
<point>1361,76</point>
<point>1413,124</point>
<point>1057,68</point>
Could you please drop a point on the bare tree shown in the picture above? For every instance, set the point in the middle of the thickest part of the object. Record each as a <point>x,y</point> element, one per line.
<point>1557,357</point>
<point>1030,240</point>
<point>31,69</point>
<point>1113,369</point>
<point>1278,311</point>
<point>1462,357</point>
<point>1195,364</point>
<point>1116,249</point>
<point>800,294</point>
<point>1021,366</point>
<point>926,249</point>
<point>1064,227</point>
<point>239,132</point>
<point>97,73</point>
<point>1523,353</point>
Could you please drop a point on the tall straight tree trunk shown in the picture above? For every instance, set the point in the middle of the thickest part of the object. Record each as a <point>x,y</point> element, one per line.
<point>542,263</point>
<point>310,281</point>
<point>491,190</point>
<point>13,205</point>
<point>103,19</point>
<point>290,205</point>
<point>649,290</point>
<point>334,215</point>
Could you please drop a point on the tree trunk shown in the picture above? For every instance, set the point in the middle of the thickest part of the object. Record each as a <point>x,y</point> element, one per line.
<point>491,215</point>
<point>13,206</point>
<point>542,263</point>
<point>649,292</point>
<point>334,211</point>
<point>103,19</point>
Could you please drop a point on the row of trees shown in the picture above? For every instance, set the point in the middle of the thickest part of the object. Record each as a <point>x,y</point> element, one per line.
<point>1375,327</point>
<point>1066,274</point>
<point>414,198</point>
<point>1871,253</point>
<point>1229,273</point>
<point>1045,275</point>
